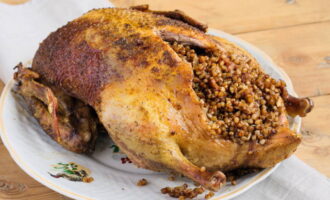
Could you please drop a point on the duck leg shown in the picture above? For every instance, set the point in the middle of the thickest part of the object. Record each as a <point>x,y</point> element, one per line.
<point>68,121</point>
<point>297,106</point>
<point>170,157</point>
<point>210,180</point>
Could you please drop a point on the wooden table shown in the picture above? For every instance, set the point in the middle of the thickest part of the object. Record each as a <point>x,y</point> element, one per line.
<point>295,33</point>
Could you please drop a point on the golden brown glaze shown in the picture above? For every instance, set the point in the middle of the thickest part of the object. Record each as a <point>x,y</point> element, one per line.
<point>119,62</point>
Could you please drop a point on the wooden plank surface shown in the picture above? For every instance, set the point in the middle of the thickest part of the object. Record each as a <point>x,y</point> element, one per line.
<point>16,184</point>
<point>315,147</point>
<point>239,16</point>
<point>295,33</point>
<point>302,51</point>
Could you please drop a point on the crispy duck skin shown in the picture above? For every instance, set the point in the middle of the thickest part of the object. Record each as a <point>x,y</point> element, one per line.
<point>119,62</point>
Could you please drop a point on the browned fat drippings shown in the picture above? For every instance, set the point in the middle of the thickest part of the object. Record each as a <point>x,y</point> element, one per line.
<point>233,175</point>
<point>241,101</point>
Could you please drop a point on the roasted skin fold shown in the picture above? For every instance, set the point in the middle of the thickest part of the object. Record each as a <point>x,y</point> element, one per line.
<point>122,63</point>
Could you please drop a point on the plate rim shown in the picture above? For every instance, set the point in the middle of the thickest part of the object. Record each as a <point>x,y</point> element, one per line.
<point>255,180</point>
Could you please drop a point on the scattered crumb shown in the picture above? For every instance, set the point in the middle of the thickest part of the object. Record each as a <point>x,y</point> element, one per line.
<point>142,182</point>
<point>203,169</point>
<point>232,179</point>
<point>88,179</point>
<point>196,184</point>
<point>182,192</point>
<point>171,178</point>
<point>125,160</point>
<point>209,195</point>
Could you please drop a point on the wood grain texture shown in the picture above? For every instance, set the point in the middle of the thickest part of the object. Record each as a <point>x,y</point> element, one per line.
<point>244,15</point>
<point>302,51</point>
<point>1,88</point>
<point>315,147</point>
<point>16,184</point>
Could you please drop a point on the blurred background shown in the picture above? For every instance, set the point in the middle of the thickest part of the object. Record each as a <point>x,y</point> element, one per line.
<point>294,33</point>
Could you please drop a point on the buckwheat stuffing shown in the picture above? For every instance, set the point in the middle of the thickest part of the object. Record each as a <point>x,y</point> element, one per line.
<point>209,195</point>
<point>182,192</point>
<point>171,178</point>
<point>196,184</point>
<point>241,101</point>
<point>142,182</point>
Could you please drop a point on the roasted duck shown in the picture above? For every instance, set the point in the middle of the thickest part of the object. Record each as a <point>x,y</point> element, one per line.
<point>172,97</point>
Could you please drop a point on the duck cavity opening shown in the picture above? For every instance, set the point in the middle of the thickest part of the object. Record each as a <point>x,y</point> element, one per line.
<point>242,103</point>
